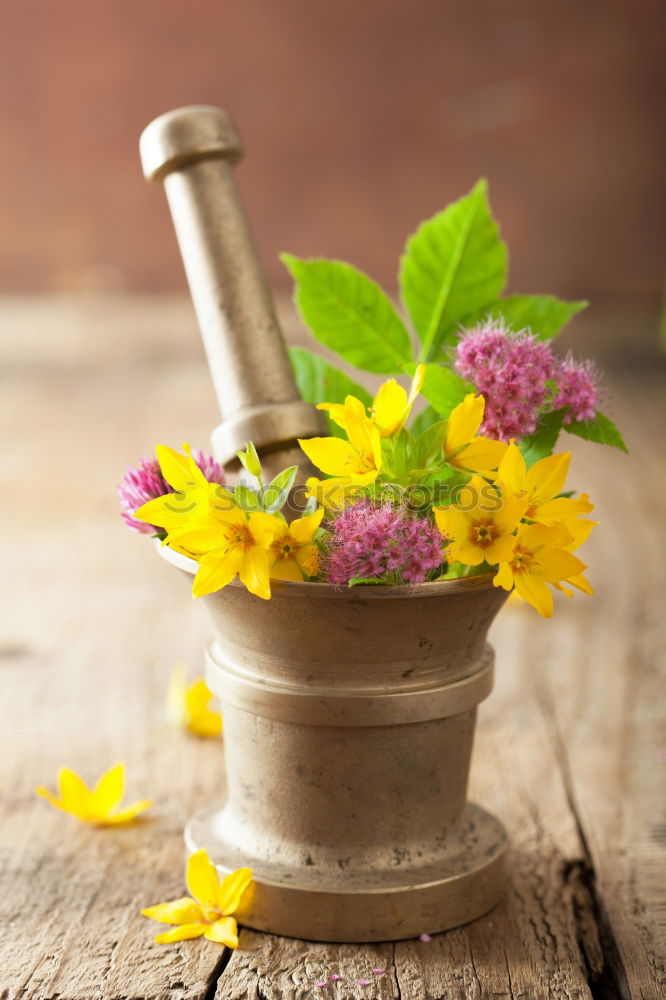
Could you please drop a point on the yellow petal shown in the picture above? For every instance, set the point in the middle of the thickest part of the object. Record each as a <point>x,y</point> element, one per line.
<point>200,719</point>
<point>255,572</point>
<point>336,412</point>
<point>223,931</point>
<point>512,469</point>
<point>464,422</point>
<point>267,528</point>
<point>332,455</point>
<point>535,592</point>
<point>562,509</point>
<point>286,569</point>
<point>216,570</point>
<point>127,814</point>
<point>109,790</point>
<point>480,455</point>
<point>546,478</point>
<point>202,878</point>
<point>74,793</point>
<point>180,471</point>
<point>303,528</point>
<point>389,407</point>
<point>503,577</point>
<point>44,793</point>
<point>183,933</point>
<point>178,911</point>
<point>582,583</point>
<point>232,888</point>
<point>307,558</point>
<point>556,565</point>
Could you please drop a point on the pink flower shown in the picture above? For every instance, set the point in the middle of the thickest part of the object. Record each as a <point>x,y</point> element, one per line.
<point>425,938</point>
<point>512,371</point>
<point>146,482</point>
<point>577,384</point>
<point>372,541</point>
<point>520,379</point>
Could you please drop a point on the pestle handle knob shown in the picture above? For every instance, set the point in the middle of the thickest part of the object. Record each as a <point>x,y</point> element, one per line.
<point>192,151</point>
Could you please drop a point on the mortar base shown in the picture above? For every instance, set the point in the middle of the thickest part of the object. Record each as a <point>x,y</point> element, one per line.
<point>387,905</point>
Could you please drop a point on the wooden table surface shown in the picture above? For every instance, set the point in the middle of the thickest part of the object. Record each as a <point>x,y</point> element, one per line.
<point>570,752</point>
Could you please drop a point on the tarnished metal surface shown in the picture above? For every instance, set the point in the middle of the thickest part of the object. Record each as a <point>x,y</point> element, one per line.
<point>349,720</point>
<point>192,152</point>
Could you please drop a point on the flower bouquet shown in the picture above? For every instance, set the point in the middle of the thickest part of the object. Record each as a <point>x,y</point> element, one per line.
<point>351,610</point>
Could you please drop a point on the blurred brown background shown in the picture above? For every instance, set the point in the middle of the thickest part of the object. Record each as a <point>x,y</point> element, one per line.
<point>360,119</point>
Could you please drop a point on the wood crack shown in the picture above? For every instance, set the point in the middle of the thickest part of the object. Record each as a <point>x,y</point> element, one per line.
<point>607,977</point>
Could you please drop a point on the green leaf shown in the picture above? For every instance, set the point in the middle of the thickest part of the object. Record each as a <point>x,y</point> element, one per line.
<point>346,311</point>
<point>601,429</point>
<point>319,381</point>
<point>541,443</point>
<point>443,388</point>
<point>454,265</point>
<point>422,422</point>
<point>246,499</point>
<point>276,493</point>
<point>545,315</point>
<point>430,443</point>
<point>284,480</point>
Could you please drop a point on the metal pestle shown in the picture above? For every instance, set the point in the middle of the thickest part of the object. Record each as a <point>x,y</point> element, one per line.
<point>192,151</point>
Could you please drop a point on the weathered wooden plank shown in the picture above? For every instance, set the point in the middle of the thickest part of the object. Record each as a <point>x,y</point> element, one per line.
<point>570,751</point>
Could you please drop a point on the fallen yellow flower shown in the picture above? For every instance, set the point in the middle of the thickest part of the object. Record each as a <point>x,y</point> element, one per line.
<point>209,912</point>
<point>188,705</point>
<point>99,805</point>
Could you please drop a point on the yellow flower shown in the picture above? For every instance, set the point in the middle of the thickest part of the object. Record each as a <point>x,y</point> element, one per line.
<point>539,557</point>
<point>225,546</point>
<point>292,551</point>
<point>580,530</point>
<point>390,407</point>
<point>480,525</point>
<point>541,486</point>
<point>355,462</point>
<point>188,705</point>
<point>194,496</point>
<point>209,913</point>
<point>462,448</point>
<point>98,806</point>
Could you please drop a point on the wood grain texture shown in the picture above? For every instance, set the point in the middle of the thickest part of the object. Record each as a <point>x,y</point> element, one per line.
<point>571,750</point>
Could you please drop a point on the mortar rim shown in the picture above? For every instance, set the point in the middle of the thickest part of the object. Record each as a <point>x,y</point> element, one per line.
<point>433,588</point>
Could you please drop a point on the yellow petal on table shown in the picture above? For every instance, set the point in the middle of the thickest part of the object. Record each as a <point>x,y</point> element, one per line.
<point>232,888</point>
<point>200,718</point>
<point>44,793</point>
<point>223,931</point>
<point>183,933</point>
<point>74,793</point>
<point>202,878</point>
<point>178,911</point>
<point>109,790</point>
<point>125,815</point>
